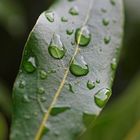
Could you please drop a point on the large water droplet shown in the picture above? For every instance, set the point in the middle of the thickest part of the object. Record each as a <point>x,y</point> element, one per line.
<point>56,48</point>
<point>83,36</point>
<point>30,65</point>
<point>79,67</point>
<point>90,85</point>
<point>102,96</point>
<point>57,110</point>
<point>50,16</point>
<point>43,74</point>
<point>74,11</point>
<point>64,19</point>
<point>114,64</point>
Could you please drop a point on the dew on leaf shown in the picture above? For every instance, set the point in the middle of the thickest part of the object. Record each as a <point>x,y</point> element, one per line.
<point>43,74</point>
<point>30,65</point>
<point>50,16</point>
<point>64,19</point>
<point>70,31</point>
<point>107,39</point>
<point>105,22</point>
<point>56,48</point>
<point>79,67</point>
<point>114,64</point>
<point>90,85</point>
<point>83,36</point>
<point>74,11</point>
<point>102,96</point>
<point>22,84</point>
<point>41,90</point>
<point>57,110</point>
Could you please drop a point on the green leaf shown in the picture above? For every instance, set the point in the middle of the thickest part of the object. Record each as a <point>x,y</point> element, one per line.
<point>121,120</point>
<point>68,47</point>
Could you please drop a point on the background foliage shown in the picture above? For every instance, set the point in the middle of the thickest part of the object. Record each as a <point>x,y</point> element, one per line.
<point>17,18</point>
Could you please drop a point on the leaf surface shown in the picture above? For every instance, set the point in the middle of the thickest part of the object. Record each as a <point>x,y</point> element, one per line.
<point>67,69</point>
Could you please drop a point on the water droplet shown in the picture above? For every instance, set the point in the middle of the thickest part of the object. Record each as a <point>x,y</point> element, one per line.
<point>102,96</point>
<point>30,65</point>
<point>114,64</point>
<point>57,110</point>
<point>70,31</point>
<point>107,39</point>
<point>56,48</point>
<point>71,88</point>
<point>74,11</point>
<point>88,119</point>
<point>41,90</point>
<point>79,67</point>
<point>113,2</point>
<point>64,19</point>
<point>43,99</point>
<point>83,36</point>
<point>50,16</point>
<point>90,85</point>
<point>22,84</point>
<point>43,74</point>
<point>105,22</point>
<point>26,99</point>
<point>27,117</point>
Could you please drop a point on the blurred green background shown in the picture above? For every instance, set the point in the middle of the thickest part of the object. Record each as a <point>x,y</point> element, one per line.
<point>120,119</point>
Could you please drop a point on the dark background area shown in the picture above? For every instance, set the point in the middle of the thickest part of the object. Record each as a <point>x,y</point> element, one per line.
<point>12,43</point>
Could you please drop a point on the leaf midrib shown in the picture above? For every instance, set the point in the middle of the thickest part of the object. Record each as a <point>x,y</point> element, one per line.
<point>58,92</point>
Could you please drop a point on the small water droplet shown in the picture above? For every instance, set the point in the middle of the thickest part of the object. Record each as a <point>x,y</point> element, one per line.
<point>83,36</point>
<point>71,88</point>
<point>27,117</point>
<point>79,67</point>
<point>74,11</point>
<point>22,84</point>
<point>56,48</point>
<point>43,99</point>
<point>70,31</point>
<point>30,65</point>
<point>90,85</point>
<point>64,19</point>
<point>50,16</point>
<point>41,90</point>
<point>43,74</point>
<point>26,99</point>
<point>114,64</point>
<point>107,39</point>
<point>105,22</point>
<point>102,96</point>
<point>113,2</point>
<point>57,110</point>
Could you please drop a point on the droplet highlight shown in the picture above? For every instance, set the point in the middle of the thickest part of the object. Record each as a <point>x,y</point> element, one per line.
<point>56,48</point>
<point>50,16</point>
<point>74,11</point>
<point>102,96</point>
<point>79,67</point>
<point>90,85</point>
<point>30,65</point>
<point>83,36</point>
